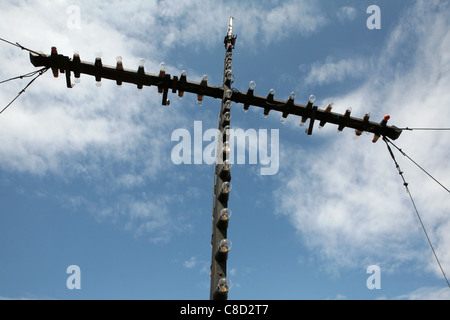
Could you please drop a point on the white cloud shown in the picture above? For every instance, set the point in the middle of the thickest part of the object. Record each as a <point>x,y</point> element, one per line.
<point>51,127</point>
<point>332,71</point>
<point>285,19</point>
<point>51,123</point>
<point>92,132</point>
<point>353,208</point>
<point>263,20</point>
<point>177,23</point>
<point>145,216</point>
<point>346,13</point>
<point>340,297</point>
<point>429,293</point>
<point>17,299</point>
<point>201,265</point>
<point>191,263</point>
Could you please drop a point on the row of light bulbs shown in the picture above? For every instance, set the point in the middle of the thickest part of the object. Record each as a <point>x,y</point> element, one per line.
<point>312,99</point>
<point>224,284</point>
<point>228,93</point>
<point>119,66</point>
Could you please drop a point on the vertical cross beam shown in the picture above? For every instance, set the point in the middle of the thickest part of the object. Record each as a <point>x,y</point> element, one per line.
<point>220,244</point>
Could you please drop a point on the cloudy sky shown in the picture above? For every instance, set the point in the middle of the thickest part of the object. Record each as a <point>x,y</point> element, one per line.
<point>87,176</point>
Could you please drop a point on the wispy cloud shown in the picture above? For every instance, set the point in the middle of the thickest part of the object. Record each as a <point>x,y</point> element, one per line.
<point>113,137</point>
<point>194,263</point>
<point>347,13</point>
<point>340,297</point>
<point>41,134</point>
<point>332,71</point>
<point>353,208</point>
<point>191,263</point>
<point>428,293</point>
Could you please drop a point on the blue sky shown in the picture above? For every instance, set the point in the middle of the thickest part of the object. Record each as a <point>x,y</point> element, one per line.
<point>87,177</point>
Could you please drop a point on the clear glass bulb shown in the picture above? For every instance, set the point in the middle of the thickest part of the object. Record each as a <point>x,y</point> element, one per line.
<point>205,78</point>
<point>226,187</point>
<point>77,80</point>
<point>272,91</point>
<point>293,95</point>
<point>283,120</point>
<point>224,285</point>
<point>225,214</point>
<point>227,116</point>
<point>119,65</point>
<point>312,98</point>
<point>228,94</point>
<point>98,83</point>
<point>228,104</point>
<point>252,85</point>
<point>225,245</point>
<point>227,164</point>
<point>98,54</point>
<point>200,103</point>
<point>162,66</point>
<point>183,73</point>
<point>226,147</point>
<point>141,63</point>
